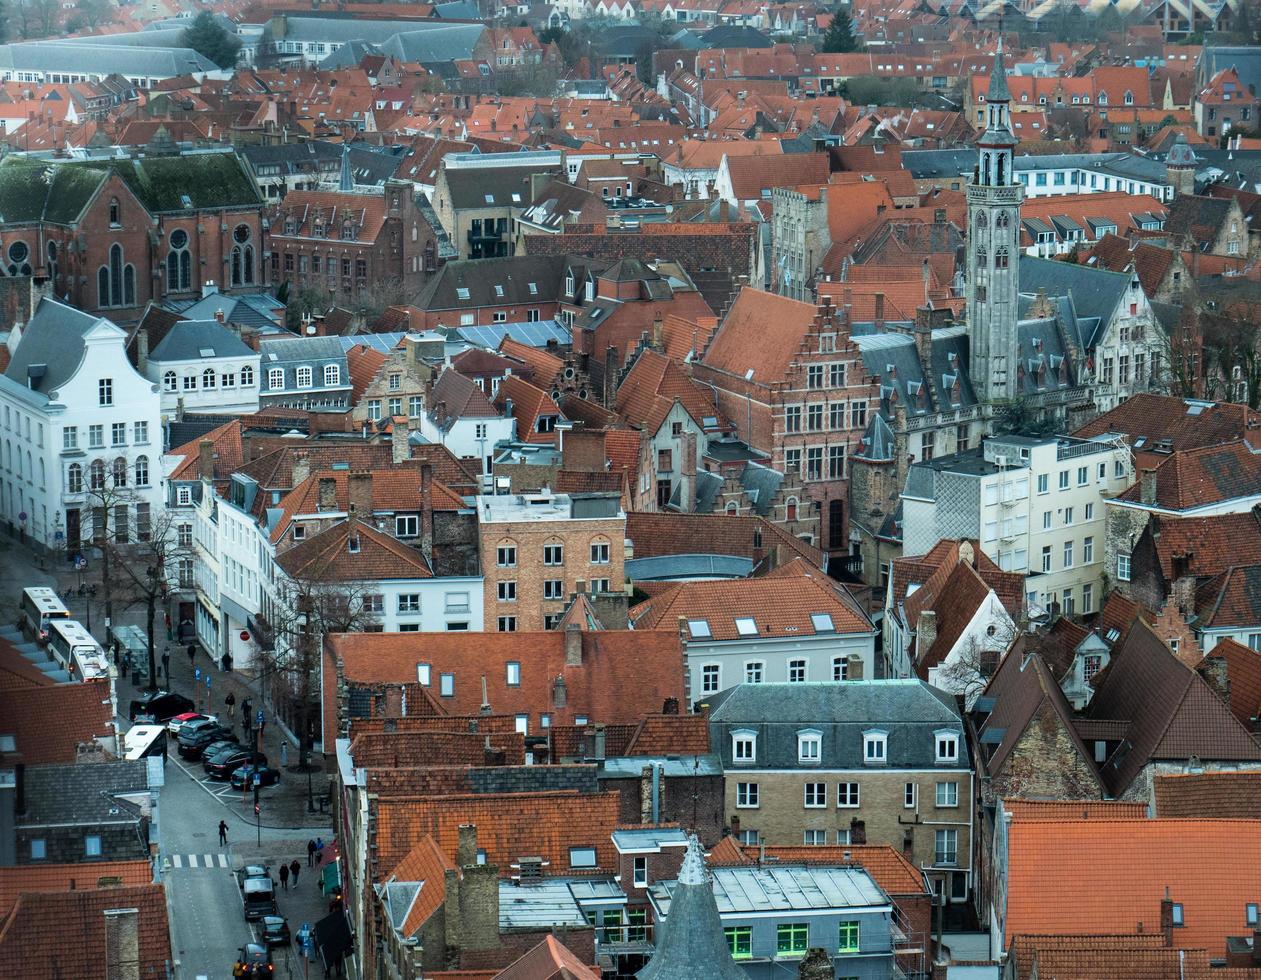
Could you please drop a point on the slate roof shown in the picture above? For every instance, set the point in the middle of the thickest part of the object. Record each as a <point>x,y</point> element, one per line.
<point>188,340</point>
<point>1172,713</point>
<point>82,794</point>
<point>478,188</point>
<point>666,533</point>
<point>484,279</point>
<point>910,711</point>
<point>1096,294</point>
<point>460,397</point>
<point>291,353</point>
<point>1243,671</point>
<point>1088,876</point>
<point>1198,218</point>
<point>51,350</point>
<point>106,59</point>
<point>781,605</point>
<point>260,312</point>
<point>33,937</point>
<point>33,190</point>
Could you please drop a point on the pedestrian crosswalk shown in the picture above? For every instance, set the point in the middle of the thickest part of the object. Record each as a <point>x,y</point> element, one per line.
<point>199,861</point>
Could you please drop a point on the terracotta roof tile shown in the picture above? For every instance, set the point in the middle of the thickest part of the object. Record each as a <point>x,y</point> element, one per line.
<point>761,333</point>
<point>1022,949</point>
<point>545,365</point>
<point>456,397</point>
<point>228,453</point>
<point>392,490</point>
<point>652,386</point>
<point>549,960</point>
<point>781,605</point>
<point>1198,477</point>
<point>510,826</point>
<point>395,749</point>
<point>33,937</point>
<point>1210,544</point>
<point>362,364</point>
<point>353,551</point>
<point>1075,810</point>
<point>671,735</point>
<point>1208,795</point>
<point>427,864</point>
<point>1091,876</point>
<point>529,402</point>
<point>1243,669</point>
<point>1230,600</point>
<point>15,881</point>
<point>274,470</point>
<point>1188,425</point>
<point>49,722</point>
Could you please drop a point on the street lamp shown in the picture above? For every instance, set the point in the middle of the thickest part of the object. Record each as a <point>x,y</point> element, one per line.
<point>303,624</point>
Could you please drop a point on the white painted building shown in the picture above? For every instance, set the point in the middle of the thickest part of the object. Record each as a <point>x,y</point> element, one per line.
<point>461,417</point>
<point>1036,505</point>
<point>203,366</point>
<point>77,415</point>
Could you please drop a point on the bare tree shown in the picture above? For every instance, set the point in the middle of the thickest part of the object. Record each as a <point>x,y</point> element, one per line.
<point>969,671</point>
<point>310,601</point>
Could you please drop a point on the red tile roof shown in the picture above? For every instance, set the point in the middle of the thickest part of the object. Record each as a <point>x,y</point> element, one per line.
<point>392,490</point>
<point>510,826</point>
<point>1210,545</point>
<point>57,935</point>
<point>623,674</point>
<point>1091,876</point>
<point>456,397</point>
<point>652,387</point>
<point>549,960</point>
<point>529,403</point>
<point>1187,424</point>
<point>760,335</point>
<point>1075,810</point>
<point>751,175</point>
<point>1023,950</point>
<point>24,878</point>
<point>1208,795</point>
<point>50,722</point>
<point>329,210</point>
<point>427,864</point>
<point>228,453</point>
<point>353,551</point>
<point>545,365</point>
<point>781,605</point>
<point>1231,600</point>
<point>670,735</point>
<point>1200,477</point>
<point>1243,669</point>
<point>362,364</point>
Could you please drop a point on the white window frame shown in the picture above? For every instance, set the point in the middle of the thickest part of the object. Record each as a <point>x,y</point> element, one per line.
<point>875,740</point>
<point>748,796</point>
<point>950,741</point>
<point>706,671</point>
<point>819,794</point>
<point>740,738</point>
<point>848,795</point>
<point>810,747</point>
<point>947,791</point>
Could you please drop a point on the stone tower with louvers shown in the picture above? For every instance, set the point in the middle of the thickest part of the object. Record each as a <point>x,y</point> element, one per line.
<point>993,278</point>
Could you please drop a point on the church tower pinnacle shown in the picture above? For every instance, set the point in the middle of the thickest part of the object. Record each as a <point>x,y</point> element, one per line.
<point>994,199</point>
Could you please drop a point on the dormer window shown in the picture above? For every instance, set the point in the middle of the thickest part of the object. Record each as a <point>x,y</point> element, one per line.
<point>947,747</point>
<point>809,746</point>
<point>875,747</point>
<point>744,746</point>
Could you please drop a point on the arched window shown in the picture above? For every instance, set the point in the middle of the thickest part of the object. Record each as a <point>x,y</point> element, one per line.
<point>1002,171</point>
<point>102,287</point>
<point>52,261</point>
<point>120,472</point>
<point>208,378</point>
<point>733,508</point>
<point>981,255</point>
<point>982,220</point>
<point>247,376</point>
<point>1000,258</point>
<point>169,381</point>
<point>19,259</point>
<point>790,509</point>
<point>96,475</point>
<point>178,262</point>
<point>129,285</point>
<point>74,478</point>
<point>142,471</point>
<point>114,212</point>
<point>116,275</point>
<point>1003,220</point>
<point>242,256</point>
<point>332,375</point>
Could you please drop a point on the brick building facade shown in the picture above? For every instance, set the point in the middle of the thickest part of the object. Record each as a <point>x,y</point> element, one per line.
<point>113,235</point>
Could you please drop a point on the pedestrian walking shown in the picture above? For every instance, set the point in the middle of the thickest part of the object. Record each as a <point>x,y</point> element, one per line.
<point>295,868</point>
<point>223,833</point>
<point>284,755</point>
<point>166,663</point>
<point>227,663</point>
<point>310,853</point>
<point>192,655</point>
<point>230,701</point>
<point>284,877</point>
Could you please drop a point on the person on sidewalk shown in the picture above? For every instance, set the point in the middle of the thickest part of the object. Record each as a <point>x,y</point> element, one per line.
<point>230,701</point>
<point>166,663</point>
<point>295,868</point>
<point>227,663</point>
<point>223,833</point>
<point>310,852</point>
<point>192,655</point>
<point>284,755</point>
<point>284,877</point>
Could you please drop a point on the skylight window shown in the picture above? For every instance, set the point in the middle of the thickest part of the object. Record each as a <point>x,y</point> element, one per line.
<point>534,288</point>
<point>461,292</point>
<point>499,291</point>
<point>746,626</point>
<point>822,623</point>
<point>490,198</point>
<point>699,628</point>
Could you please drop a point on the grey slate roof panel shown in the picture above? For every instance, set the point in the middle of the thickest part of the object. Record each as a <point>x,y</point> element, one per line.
<point>53,340</point>
<point>186,340</point>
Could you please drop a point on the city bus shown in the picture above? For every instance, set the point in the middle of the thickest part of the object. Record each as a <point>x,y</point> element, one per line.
<point>40,606</point>
<point>76,650</point>
<point>142,741</point>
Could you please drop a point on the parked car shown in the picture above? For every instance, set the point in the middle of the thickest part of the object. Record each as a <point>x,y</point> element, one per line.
<point>252,871</point>
<point>159,706</point>
<point>179,721</point>
<point>196,736</point>
<point>224,763</point>
<point>274,931</point>
<point>255,961</point>
<point>259,898</point>
<point>243,776</point>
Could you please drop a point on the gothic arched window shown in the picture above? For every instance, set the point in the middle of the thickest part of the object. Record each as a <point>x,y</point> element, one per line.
<point>1000,258</point>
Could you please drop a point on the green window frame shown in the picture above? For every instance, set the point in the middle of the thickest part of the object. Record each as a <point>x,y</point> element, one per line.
<point>792,938</point>
<point>848,942</point>
<point>636,925</point>
<point>739,941</point>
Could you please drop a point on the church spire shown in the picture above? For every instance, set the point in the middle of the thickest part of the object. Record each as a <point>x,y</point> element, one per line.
<point>998,91</point>
<point>346,182</point>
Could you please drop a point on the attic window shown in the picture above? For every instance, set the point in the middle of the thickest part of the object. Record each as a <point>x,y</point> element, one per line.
<point>206,352</point>
<point>352,544</point>
<point>1179,917</point>
<point>746,626</point>
<point>461,292</point>
<point>499,291</point>
<point>822,623</point>
<point>1112,635</point>
<point>534,288</point>
<point>186,201</point>
<point>582,857</point>
<point>423,672</point>
<point>699,628</point>
<point>490,198</point>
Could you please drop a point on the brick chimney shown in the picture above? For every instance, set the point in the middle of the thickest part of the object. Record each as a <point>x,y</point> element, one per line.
<point>466,847</point>
<point>854,667</point>
<point>142,350</point>
<point>401,449</point>
<point>925,631</point>
<point>1216,675</point>
<point>573,645</point>
<point>426,511</point>
<point>328,494</point>
<point>122,944</point>
<point>359,494</point>
<point>1147,486</point>
<point>1166,918</point>
<point>206,459</point>
<point>879,317</point>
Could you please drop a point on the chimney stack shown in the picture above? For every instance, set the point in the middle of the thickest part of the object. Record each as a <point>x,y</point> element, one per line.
<point>1166,918</point>
<point>573,645</point>
<point>1147,487</point>
<point>206,459</point>
<point>142,350</point>
<point>854,667</point>
<point>301,466</point>
<point>359,495</point>
<point>426,511</point>
<point>327,494</point>
<point>466,847</point>
<point>122,944</point>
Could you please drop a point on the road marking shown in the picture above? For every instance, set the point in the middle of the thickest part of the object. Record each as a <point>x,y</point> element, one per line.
<point>176,861</point>
<point>210,861</point>
<point>207,861</point>
<point>192,860</point>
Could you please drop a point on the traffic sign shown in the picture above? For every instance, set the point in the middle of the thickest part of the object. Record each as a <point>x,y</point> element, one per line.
<point>259,718</point>
<point>80,563</point>
<point>258,779</point>
<point>196,673</point>
<point>207,682</point>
